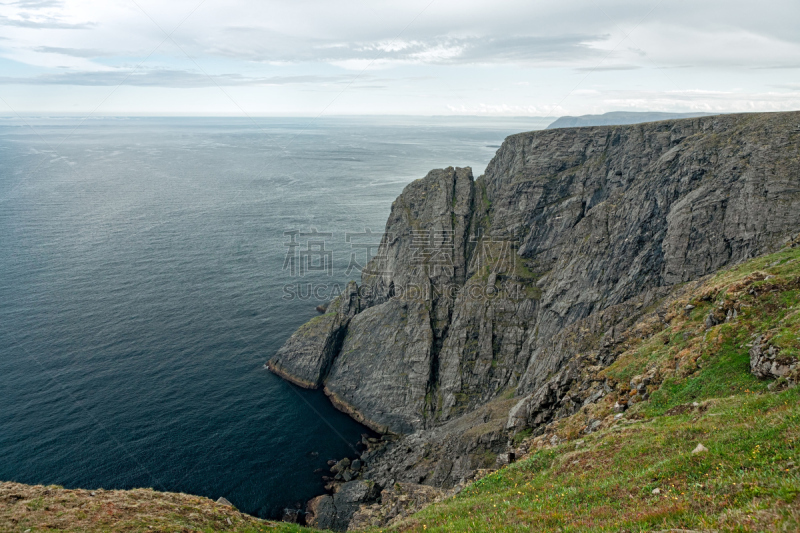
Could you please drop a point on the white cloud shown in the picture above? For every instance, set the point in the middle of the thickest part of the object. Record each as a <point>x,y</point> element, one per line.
<point>593,56</point>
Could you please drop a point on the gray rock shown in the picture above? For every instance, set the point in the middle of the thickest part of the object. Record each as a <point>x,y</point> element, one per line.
<point>383,373</point>
<point>306,357</point>
<point>558,198</point>
<point>597,217</point>
<point>396,502</point>
<point>699,449</point>
<point>767,361</point>
<point>601,224</point>
<point>320,512</point>
<point>505,458</point>
<point>292,516</point>
<point>335,512</point>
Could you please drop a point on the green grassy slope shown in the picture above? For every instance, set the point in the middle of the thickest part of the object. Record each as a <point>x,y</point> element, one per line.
<point>36,508</point>
<point>638,473</point>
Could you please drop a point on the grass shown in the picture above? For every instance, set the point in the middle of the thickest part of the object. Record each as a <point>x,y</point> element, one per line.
<point>639,473</point>
<point>743,483</point>
<point>53,508</point>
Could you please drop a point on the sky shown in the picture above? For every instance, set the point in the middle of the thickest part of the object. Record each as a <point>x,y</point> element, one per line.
<point>414,57</point>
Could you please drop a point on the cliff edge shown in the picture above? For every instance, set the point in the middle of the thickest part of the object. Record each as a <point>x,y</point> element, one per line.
<point>475,279</point>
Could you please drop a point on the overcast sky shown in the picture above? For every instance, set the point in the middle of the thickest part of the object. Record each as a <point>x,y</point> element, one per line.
<point>312,57</point>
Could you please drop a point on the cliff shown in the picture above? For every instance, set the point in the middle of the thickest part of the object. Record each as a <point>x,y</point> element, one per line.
<point>697,429</point>
<point>494,303</point>
<point>477,281</point>
<point>693,427</point>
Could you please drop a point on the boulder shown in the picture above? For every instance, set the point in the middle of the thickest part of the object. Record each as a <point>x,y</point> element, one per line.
<point>699,449</point>
<point>767,361</point>
<point>293,516</point>
<point>221,500</point>
<point>335,512</point>
<point>396,502</point>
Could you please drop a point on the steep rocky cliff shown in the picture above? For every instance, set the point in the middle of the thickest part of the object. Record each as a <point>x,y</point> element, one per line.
<point>475,279</point>
<point>493,296</point>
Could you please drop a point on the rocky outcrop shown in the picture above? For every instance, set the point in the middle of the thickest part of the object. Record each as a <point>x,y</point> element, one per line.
<point>305,359</point>
<point>396,502</point>
<point>335,512</point>
<point>447,455</point>
<point>515,288</point>
<point>768,362</point>
<point>384,366</point>
<point>475,279</point>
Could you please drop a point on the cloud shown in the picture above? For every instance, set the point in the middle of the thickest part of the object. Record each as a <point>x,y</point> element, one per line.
<point>607,68</point>
<point>74,52</point>
<point>48,23</point>
<point>506,110</point>
<point>470,54</point>
<point>701,100</point>
<point>36,4</point>
<point>39,14</point>
<point>165,78</point>
<point>433,50</point>
<point>789,66</point>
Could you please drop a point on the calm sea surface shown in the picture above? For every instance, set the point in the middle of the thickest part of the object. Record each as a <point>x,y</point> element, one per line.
<point>144,282</point>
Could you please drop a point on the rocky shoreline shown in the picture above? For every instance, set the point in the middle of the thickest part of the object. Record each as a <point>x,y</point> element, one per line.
<point>494,304</point>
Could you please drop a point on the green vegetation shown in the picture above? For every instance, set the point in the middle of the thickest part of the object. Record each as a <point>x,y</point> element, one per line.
<point>638,473</point>
<point>53,508</point>
<point>747,481</point>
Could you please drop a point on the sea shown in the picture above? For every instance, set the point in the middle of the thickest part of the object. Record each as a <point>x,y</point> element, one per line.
<point>150,266</point>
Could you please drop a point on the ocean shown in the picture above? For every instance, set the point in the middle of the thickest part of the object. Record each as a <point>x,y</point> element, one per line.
<point>149,267</point>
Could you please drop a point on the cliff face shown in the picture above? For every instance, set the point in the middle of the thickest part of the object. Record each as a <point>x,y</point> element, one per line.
<point>486,288</point>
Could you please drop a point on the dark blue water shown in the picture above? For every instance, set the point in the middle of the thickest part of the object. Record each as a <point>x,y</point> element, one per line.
<point>142,288</point>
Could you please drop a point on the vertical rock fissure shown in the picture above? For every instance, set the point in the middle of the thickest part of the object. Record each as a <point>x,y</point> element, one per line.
<point>442,298</point>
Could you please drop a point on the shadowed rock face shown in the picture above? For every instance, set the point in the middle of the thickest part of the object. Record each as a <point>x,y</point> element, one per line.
<point>305,359</point>
<point>384,367</point>
<point>564,224</point>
